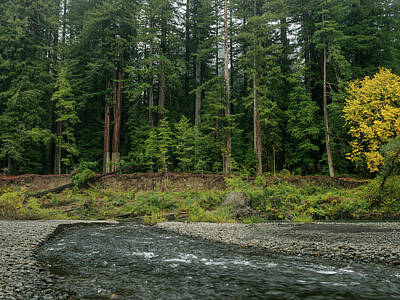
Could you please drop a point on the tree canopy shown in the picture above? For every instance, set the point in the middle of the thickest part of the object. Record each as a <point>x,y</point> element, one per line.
<point>244,86</point>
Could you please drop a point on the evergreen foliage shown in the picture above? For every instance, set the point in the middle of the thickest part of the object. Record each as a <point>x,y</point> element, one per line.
<point>66,114</point>
<point>159,147</point>
<point>157,67</point>
<point>185,138</point>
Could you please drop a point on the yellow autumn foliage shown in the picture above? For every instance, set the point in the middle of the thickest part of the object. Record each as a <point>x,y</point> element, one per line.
<point>372,111</point>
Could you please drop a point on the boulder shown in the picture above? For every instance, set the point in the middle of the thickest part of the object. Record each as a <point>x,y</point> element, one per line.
<point>239,203</point>
<point>236,200</point>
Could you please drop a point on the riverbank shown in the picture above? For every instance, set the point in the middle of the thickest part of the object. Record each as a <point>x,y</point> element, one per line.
<point>21,276</point>
<point>350,242</point>
<point>233,199</point>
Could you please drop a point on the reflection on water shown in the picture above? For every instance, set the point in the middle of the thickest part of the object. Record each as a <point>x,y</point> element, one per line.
<point>139,262</point>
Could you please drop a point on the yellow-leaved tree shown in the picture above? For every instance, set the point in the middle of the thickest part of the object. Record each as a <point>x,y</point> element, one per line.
<point>372,111</point>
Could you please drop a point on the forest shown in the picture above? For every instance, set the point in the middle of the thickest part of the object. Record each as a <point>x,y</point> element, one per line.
<point>205,86</point>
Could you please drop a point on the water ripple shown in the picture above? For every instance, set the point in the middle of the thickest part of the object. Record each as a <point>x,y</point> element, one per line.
<point>139,262</point>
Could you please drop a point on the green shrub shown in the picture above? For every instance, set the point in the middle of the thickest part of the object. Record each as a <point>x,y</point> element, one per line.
<point>254,220</point>
<point>15,206</point>
<point>85,171</point>
<point>284,173</point>
<point>378,197</point>
<point>220,215</point>
<point>154,218</point>
<point>236,184</point>
<point>260,181</point>
<point>303,218</point>
<point>383,202</point>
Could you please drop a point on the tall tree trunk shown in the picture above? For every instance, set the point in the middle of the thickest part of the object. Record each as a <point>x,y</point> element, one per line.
<point>257,127</point>
<point>117,122</point>
<point>114,101</point>
<point>151,104</point>
<point>64,29</point>
<point>52,109</point>
<point>228,141</point>
<point>217,39</point>
<point>325,96</point>
<point>307,49</point>
<point>274,158</point>
<point>151,83</point>
<point>256,113</point>
<point>285,45</point>
<point>161,93</point>
<point>107,138</point>
<point>231,51</point>
<point>245,79</point>
<point>50,146</point>
<point>9,165</point>
<point>57,149</point>
<point>161,89</point>
<point>187,48</point>
<point>198,94</point>
<point>216,8</point>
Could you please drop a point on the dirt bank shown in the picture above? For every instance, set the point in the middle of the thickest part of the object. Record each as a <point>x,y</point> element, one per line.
<point>157,181</point>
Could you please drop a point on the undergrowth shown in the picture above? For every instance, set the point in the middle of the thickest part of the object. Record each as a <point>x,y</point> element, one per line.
<point>273,201</point>
<point>15,205</point>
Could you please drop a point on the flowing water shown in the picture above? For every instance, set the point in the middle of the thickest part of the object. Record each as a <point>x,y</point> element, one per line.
<point>139,262</point>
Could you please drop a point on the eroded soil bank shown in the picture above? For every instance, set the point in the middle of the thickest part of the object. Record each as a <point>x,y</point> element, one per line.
<point>157,181</point>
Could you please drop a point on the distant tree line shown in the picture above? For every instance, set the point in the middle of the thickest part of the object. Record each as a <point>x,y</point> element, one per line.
<point>247,86</point>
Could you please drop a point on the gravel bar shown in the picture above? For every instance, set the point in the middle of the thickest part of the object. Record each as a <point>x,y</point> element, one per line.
<point>351,242</point>
<point>21,277</point>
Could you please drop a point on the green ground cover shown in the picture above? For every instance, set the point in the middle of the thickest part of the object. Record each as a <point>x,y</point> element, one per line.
<point>280,200</point>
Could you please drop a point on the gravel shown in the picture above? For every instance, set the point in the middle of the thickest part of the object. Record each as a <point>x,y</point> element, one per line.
<point>351,242</point>
<point>21,277</point>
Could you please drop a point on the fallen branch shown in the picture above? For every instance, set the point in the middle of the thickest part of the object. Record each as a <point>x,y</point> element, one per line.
<point>55,190</point>
<point>70,185</point>
<point>71,209</point>
<point>167,215</point>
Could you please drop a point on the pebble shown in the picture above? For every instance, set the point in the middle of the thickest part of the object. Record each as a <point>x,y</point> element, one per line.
<point>21,277</point>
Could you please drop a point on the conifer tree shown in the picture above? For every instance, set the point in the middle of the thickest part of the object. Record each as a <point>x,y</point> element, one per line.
<point>66,116</point>
<point>184,141</point>
<point>120,67</point>
<point>303,127</point>
<point>227,130</point>
<point>203,49</point>
<point>327,35</point>
<point>26,37</point>
<point>159,146</point>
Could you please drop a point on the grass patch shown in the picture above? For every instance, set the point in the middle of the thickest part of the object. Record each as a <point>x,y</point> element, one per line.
<point>15,205</point>
<point>303,219</point>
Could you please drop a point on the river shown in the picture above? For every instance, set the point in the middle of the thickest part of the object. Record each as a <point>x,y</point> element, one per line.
<point>132,261</point>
